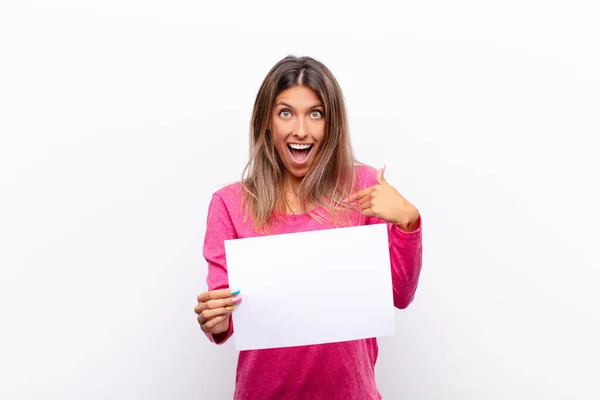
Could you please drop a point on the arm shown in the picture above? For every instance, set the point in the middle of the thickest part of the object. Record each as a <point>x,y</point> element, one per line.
<point>381,203</point>
<point>406,251</point>
<point>219,227</point>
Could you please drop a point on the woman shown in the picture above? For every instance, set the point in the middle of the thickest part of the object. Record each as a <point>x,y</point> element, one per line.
<point>302,176</point>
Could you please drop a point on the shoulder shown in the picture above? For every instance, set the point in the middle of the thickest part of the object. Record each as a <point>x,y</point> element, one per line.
<point>366,175</point>
<point>227,198</point>
<point>229,192</point>
<point>226,202</point>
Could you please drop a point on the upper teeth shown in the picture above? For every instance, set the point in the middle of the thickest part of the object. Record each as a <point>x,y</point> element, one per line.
<point>300,146</point>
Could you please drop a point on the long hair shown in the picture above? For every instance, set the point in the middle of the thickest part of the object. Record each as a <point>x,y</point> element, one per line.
<point>330,179</point>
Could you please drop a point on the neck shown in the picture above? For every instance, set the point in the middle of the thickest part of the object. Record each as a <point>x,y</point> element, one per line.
<point>291,184</point>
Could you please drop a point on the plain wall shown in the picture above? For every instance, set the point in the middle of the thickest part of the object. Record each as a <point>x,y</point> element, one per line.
<point>119,119</point>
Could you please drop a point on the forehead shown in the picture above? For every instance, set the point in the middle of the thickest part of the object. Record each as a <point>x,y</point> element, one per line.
<point>298,96</point>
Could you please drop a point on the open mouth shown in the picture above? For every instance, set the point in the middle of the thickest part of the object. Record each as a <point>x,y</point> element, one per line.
<point>300,152</point>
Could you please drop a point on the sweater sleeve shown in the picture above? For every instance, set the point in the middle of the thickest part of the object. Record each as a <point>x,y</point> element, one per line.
<point>219,227</point>
<point>406,259</point>
<point>406,254</point>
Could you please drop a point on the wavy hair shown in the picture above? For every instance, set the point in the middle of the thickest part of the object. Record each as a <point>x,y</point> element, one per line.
<point>331,178</point>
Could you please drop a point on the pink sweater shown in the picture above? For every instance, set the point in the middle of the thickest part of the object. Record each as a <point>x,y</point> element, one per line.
<point>331,371</point>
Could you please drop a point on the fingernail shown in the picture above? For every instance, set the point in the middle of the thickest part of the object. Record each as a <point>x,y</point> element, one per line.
<point>235,292</point>
<point>229,308</point>
<point>236,300</point>
<point>384,165</point>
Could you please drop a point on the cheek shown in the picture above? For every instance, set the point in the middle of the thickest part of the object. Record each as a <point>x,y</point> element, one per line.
<point>278,132</point>
<point>276,136</point>
<point>279,141</point>
<point>320,132</point>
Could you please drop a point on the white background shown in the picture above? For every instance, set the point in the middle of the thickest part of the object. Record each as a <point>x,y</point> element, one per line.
<point>118,119</point>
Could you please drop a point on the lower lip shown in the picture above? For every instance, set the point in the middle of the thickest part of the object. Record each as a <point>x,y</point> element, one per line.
<point>303,162</point>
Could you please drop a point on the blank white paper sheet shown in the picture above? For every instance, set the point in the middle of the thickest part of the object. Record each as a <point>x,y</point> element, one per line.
<point>312,287</point>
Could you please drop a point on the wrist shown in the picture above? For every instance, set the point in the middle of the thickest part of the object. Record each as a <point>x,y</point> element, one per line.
<point>408,224</point>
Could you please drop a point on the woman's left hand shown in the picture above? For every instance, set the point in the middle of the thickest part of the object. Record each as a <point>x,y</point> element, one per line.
<point>384,202</point>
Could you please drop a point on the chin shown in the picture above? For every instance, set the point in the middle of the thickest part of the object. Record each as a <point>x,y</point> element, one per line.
<point>297,174</point>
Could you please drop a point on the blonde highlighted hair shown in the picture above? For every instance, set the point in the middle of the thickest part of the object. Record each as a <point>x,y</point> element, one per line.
<point>331,178</point>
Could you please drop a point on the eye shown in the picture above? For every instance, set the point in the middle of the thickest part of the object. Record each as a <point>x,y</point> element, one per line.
<point>317,114</point>
<point>285,113</point>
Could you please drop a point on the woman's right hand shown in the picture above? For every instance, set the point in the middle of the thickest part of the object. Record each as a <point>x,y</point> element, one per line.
<point>214,308</point>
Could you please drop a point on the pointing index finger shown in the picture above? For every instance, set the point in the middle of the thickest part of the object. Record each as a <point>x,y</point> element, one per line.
<point>357,195</point>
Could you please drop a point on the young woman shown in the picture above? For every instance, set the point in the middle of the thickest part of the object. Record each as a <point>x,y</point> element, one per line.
<point>302,176</point>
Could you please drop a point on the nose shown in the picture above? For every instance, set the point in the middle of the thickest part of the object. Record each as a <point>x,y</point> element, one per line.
<point>300,131</point>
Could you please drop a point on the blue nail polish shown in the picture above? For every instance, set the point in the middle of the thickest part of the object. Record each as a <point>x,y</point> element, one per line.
<point>235,292</point>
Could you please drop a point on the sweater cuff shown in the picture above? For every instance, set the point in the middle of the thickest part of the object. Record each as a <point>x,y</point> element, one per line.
<point>223,336</point>
<point>394,229</point>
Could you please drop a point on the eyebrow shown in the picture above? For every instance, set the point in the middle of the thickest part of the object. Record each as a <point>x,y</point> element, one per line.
<point>281,103</point>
